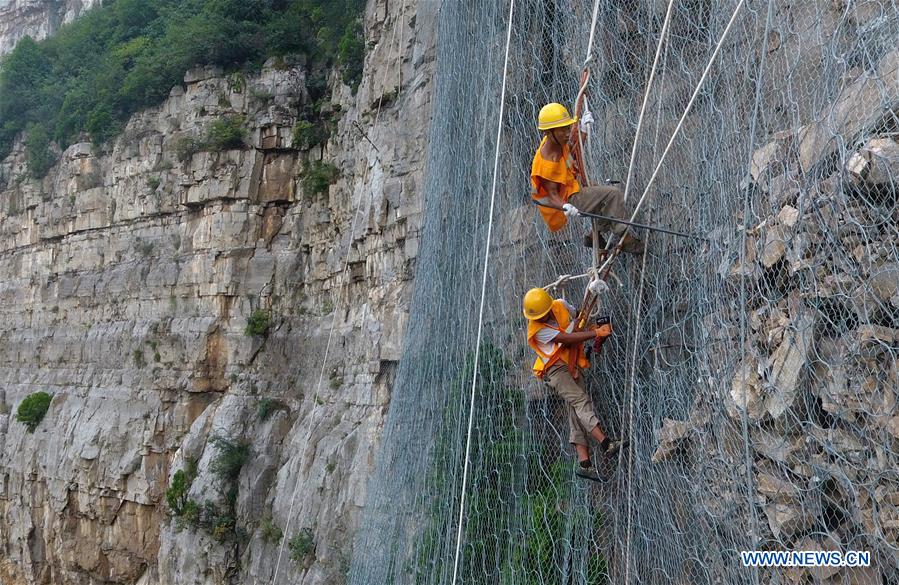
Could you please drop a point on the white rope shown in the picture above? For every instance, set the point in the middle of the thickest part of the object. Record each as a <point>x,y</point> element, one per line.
<point>321,374</point>
<point>565,279</point>
<point>592,33</point>
<point>477,349</point>
<point>652,74</point>
<point>683,117</point>
<point>630,450</point>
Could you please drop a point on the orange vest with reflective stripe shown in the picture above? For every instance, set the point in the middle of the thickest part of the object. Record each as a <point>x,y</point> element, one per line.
<point>561,353</point>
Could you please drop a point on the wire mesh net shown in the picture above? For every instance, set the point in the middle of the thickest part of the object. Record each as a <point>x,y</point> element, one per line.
<point>753,373</point>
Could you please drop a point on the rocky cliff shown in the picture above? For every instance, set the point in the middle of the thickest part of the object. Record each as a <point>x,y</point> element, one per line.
<point>36,18</point>
<point>129,276</point>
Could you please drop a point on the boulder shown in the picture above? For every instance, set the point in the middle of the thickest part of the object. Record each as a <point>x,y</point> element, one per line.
<point>671,438</point>
<point>746,392</point>
<point>787,363</point>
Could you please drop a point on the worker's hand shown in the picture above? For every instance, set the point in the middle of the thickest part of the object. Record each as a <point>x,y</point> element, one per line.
<point>570,210</point>
<point>586,122</point>
<point>603,331</point>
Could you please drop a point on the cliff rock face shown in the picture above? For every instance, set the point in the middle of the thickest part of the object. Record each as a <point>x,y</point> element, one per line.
<point>36,18</point>
<point>127,279</point>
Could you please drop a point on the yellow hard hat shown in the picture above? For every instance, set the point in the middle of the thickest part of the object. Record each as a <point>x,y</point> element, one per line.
<point>537,303</point>
<point>554,116</point>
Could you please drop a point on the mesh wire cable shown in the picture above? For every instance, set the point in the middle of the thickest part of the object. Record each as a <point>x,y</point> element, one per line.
<point>789,428</point>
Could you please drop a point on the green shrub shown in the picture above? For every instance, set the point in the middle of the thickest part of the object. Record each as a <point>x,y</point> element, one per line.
<point>190,515</point>
<point>231,457</point>
<point>301,546</point>
<point>319,176</point>
<point>226,134</point>
<point>351,54</point>
<point>185,147</point>
<point>307,135</point>
<point>267,407</point>
<point>259,323</point>
<point>176,494</point>
<point>153,183</point>
<point>269,531</point>
<point>37,151</point>
<point>125,56</point>
<point>33,409</point>
<point>261,95</point>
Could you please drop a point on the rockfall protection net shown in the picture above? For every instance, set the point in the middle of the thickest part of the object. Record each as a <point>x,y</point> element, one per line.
<point>762,410</point>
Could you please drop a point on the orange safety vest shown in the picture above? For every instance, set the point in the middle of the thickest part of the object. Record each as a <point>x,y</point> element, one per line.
<point>560,171</point>
<point>561,353</point>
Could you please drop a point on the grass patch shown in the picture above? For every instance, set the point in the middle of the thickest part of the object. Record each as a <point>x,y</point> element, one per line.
<point>270,532</point>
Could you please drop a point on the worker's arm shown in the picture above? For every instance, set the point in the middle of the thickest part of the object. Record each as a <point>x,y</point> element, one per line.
<point>578,337</point>
<point>552,194</point>
<point>581,336</point>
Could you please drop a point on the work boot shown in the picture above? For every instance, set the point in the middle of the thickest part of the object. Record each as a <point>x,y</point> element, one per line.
<point>588,240</point>
<point>589,472</point>
<point>611,446</point>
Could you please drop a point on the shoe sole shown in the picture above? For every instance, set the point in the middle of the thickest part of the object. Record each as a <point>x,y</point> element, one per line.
<point>590,477</point>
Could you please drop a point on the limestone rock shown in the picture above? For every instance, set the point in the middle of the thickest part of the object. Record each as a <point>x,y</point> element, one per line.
<point>671,437</point>
<point>129,278</point>
<point>787,363</point>
<point>830,542</point>
<point>746,393</point>
<point>858,106</point>
<point>775,245</point>
<point>38,20</point>
<point>786,520</point>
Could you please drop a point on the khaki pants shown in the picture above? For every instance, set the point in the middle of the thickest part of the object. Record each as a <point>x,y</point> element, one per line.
<point>581,415</point>
<point>602,200</point>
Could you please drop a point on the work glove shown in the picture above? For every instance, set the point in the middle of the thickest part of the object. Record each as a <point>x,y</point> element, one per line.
<point>603,331</point>
<point>598,286</point>
<point>570,210</point>
<point>586,121</point>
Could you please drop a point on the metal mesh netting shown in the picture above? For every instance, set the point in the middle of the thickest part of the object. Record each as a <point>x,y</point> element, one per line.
<point>761,410</point>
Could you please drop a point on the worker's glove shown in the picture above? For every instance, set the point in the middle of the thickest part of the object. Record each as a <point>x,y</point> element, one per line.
<point>603,331</point>
<point>570,210</point>
<point>598,286</point>
<point>586,122</point>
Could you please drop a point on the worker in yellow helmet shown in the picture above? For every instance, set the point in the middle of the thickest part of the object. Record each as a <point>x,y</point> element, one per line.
<point>548,320</point>
<point>554,182</point>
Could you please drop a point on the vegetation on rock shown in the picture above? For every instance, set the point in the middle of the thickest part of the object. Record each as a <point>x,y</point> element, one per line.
<point>258,323</point>
<point>32,410</point>
<point>126,56</point>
